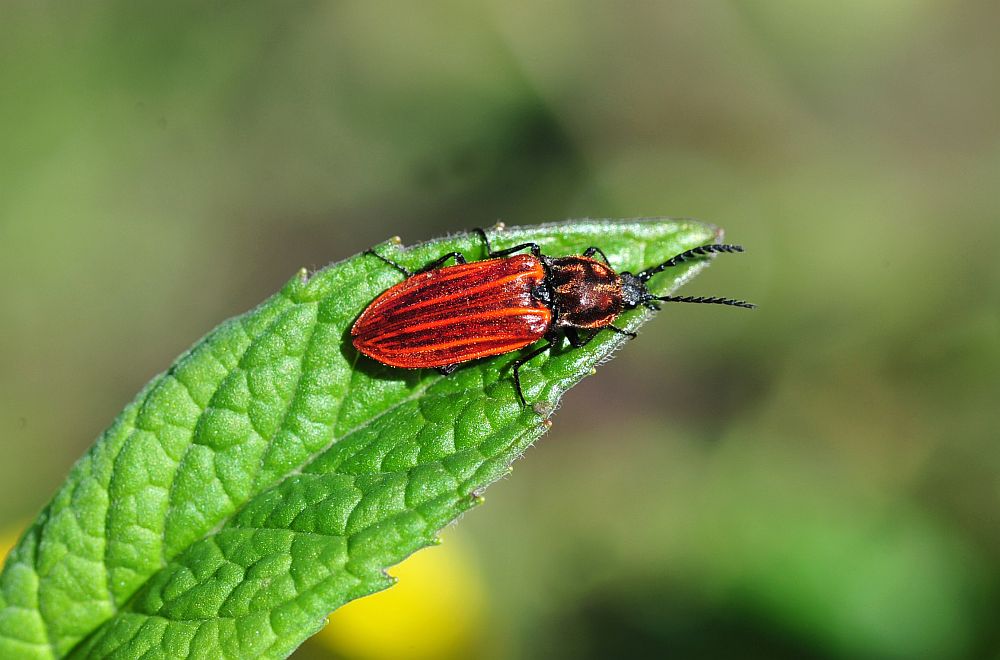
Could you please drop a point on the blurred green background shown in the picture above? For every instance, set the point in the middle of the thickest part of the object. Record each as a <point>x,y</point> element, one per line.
<point>819,478</point>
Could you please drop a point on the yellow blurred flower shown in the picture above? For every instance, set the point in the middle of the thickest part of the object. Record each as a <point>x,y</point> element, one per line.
<point>434,611</point>
<point>8,537</point>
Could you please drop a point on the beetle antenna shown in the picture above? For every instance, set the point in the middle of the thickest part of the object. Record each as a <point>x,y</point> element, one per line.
<point>710,300</point>
<point>687,255</point>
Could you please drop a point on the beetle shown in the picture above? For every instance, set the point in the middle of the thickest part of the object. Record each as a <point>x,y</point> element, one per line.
<point>442,316</point>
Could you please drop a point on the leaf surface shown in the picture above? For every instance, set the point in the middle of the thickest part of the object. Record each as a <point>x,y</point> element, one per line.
<point>271,474</point>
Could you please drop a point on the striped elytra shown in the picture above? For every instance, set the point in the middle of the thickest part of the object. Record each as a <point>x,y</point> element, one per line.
<point>441,317</point>
<point>456,314</point>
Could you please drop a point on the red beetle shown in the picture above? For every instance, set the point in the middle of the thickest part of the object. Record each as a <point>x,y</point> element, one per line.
<point>442,317</point>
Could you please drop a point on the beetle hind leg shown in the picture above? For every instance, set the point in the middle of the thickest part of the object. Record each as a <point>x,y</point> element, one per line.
<point>520,362</point>
<point>457,256</point>
<point>447,369</point>
<point>402,269</point>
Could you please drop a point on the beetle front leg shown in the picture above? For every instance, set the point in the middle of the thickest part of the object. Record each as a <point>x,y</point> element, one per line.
<point>592,250</point>
<point>534,248</point>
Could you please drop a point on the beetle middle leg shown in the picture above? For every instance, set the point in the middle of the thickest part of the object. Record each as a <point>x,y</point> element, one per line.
<point>534,248</point>
<point>576,341</point>
<point>457,256</point>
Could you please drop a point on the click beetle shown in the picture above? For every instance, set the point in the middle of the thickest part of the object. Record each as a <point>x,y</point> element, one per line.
<point>440,317</point>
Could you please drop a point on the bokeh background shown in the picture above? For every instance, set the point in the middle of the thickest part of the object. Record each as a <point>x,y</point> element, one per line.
<point>817,479</point>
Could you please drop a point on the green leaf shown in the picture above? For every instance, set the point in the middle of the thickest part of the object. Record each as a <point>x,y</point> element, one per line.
<point>271,474</point>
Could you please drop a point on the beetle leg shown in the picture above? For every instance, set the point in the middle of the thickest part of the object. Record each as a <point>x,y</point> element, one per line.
<point>486,239</point>
<point>535,248</point>
<point>592,250</point>
<point>520,362</point>
<point>574,338</point>
<point>392,263</point>
<point>457,256</point>
<point>630,335</point>
<point>447,369</point>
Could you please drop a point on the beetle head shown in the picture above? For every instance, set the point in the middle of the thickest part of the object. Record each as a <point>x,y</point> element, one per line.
<point>634,291</point>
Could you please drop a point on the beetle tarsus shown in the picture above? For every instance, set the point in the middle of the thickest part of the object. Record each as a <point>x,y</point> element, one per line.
<point>447,369</point>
